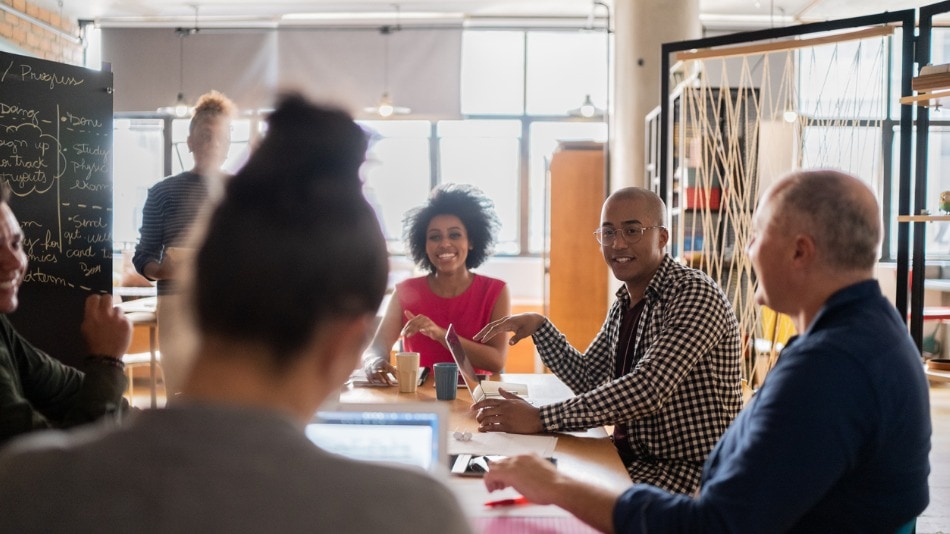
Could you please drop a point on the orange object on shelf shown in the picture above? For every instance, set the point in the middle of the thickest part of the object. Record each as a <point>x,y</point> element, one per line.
<point>696,198</point>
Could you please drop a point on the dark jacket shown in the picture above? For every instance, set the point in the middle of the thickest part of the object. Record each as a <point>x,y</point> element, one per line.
<point>37,391</point>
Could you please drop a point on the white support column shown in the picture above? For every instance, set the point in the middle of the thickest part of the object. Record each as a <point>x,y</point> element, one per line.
<point>640,27</point>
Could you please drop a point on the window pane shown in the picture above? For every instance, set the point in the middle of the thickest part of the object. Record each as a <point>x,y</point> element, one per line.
<point>895,78</point>
<point>490,163</point>
<point>937,245</point>
<point>938,180</point>
<point>137,165</point>
<point>845,79</point>
<point>397,173</point>
<point>544,140</point>
<point>851,149</point>
<point>397,128</point>
<point>563,68</point>
<point>237,154</point>
<point>492,73</point>
<point>479,128</point>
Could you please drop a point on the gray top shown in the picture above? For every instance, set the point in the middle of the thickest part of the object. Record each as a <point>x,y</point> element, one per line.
<point>206,468</point>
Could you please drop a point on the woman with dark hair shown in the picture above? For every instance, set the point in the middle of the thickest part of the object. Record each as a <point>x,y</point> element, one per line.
<point>289,274</point>
<point>451,234</point>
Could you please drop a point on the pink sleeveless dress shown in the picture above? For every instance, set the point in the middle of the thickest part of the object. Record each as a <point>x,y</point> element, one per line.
<point>469,312</point>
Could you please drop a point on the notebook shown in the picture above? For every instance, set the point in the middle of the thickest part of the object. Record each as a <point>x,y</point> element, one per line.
<point>358,379</point>
<point>480,390</point>
<point>412,433</point>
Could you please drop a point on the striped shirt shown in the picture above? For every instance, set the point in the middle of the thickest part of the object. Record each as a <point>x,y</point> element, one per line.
<point>171,207</point>
<point>682,392</point>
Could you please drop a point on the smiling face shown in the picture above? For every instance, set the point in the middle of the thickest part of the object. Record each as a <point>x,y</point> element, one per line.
<point>447,243</point>
<point>634,264</point>
<point>13,259</point>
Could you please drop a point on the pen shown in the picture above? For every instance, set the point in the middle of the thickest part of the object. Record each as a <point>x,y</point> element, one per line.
<point>508,502</point>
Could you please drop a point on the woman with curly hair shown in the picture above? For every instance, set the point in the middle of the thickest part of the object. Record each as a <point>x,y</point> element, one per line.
<point>454,232</point>
<point>170,210</point>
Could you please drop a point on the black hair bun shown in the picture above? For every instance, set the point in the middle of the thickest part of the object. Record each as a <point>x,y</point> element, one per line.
<point>308,152</point>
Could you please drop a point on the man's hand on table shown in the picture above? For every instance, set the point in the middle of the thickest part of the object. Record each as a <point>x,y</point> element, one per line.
<point>532,476</point>
<point>540,482</point>
<point>508,414</point>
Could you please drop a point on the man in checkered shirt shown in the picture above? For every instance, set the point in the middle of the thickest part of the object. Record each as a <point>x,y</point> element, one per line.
<point>663,370</point>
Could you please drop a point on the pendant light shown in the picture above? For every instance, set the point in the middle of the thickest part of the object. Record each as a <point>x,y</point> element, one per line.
<point>587,110</point>
<point>181,108</point>
<point>385,107</point>
<point>181,105</point>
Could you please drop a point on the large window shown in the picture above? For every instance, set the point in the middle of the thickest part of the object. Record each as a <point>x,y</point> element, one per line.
<point>486,154</point>
<point>397,173</point>
<point>517,94</point>
<point>141,161</point>
<point>938,156</point>
<point>938,180</point>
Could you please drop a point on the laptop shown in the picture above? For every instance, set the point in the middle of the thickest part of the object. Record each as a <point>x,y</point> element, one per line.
<point>480,390</point>
<point>412,434</point>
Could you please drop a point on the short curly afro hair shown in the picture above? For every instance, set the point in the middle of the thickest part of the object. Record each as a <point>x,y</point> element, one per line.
<point>470,205</point>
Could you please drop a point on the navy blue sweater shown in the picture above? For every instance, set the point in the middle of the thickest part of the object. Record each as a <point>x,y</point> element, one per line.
<point>836,440</point>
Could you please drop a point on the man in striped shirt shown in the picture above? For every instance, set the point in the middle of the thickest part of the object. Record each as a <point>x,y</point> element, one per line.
<point>170,210</point>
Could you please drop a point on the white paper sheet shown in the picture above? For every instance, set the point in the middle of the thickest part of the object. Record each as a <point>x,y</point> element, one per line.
<point>503,444</point>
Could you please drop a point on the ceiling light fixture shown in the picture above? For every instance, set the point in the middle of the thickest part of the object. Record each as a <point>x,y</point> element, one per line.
<point>181,108</point>
<point>587,110</point>
<point>370,17</point>
<point>181,105</point>
<point>385,107</point>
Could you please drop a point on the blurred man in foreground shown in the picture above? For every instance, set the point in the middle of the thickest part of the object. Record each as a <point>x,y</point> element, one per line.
<point>36,390</point>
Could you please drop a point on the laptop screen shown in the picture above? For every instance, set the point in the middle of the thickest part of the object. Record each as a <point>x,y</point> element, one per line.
<point>402,433</point>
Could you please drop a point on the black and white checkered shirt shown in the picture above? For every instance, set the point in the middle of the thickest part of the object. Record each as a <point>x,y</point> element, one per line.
<point>683,390</point>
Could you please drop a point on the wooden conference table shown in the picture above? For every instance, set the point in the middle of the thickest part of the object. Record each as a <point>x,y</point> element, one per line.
<point>586,455</point>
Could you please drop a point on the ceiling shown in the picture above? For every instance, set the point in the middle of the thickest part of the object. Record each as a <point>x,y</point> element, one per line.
<point>737,13</point>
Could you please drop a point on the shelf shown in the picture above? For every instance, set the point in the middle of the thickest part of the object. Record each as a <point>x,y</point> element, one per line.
<point>930,87</point>
<point>925,99</point>
<point>931,82</point>
<point>937,376</point>
<point>922,218</point>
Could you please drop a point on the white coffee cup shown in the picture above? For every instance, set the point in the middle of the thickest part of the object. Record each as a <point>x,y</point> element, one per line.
<point>407,371</point>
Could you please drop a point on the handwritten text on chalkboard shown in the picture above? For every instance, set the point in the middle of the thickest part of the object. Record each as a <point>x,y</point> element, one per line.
<point>56,156</point>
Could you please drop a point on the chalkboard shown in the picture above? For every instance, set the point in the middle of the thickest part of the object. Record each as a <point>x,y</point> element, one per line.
<point>56,155</point>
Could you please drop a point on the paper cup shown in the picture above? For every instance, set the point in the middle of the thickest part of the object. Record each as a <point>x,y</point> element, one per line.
<point>407,371</point>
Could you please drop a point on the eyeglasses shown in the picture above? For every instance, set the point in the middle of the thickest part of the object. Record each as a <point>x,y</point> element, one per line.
<point>631,234</point>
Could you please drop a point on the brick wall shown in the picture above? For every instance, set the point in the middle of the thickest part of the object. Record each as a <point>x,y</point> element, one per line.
<point>37,40</point>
